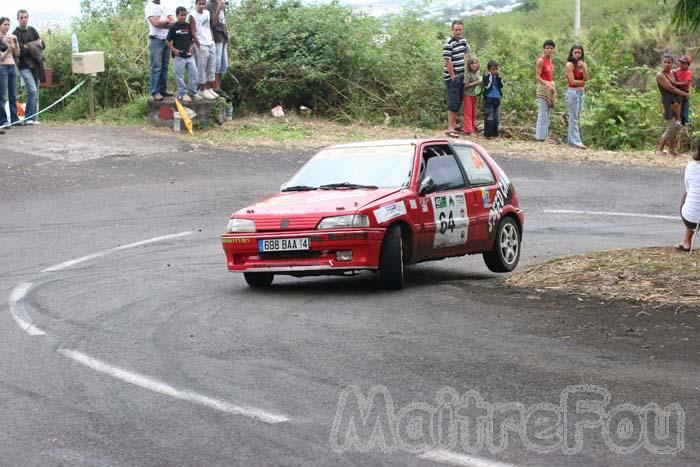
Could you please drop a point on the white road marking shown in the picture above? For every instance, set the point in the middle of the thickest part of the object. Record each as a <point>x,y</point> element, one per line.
<point>19,314</point>
<point>607,213</point>
<point>82,259</point>
<point>168,390</point>
<point>455,458</point>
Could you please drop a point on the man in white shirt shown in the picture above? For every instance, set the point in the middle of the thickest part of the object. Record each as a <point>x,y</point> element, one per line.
<point>205,54</point>
<point>159,21</point>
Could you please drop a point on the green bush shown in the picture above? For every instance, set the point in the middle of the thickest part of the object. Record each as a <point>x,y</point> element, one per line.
<point>350,66</point>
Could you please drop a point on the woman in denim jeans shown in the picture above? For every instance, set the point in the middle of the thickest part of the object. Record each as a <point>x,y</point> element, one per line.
<point>8,73</point>
<point>576,75</point>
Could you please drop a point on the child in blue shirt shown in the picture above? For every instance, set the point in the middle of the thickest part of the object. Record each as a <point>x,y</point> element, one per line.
<point>492,92</point>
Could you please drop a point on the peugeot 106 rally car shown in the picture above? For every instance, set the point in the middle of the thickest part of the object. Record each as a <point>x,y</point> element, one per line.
<point>379,206</point>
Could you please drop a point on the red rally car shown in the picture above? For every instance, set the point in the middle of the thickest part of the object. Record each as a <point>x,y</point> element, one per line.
<point>379,206</point>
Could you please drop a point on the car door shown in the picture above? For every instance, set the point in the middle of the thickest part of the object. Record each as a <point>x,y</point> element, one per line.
<point>444,212</point>
<point>480,193</point>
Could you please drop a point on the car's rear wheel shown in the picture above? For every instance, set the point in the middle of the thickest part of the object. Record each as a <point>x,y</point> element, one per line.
<point>391,259</point>
<point>505,254</point>
<point>258,279</point>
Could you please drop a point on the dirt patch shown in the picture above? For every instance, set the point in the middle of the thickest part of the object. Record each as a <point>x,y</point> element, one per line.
<point>654,277</point>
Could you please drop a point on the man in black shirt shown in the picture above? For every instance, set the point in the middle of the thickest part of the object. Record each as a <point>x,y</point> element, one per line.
<point>30,63</point>
<point>181,42</point>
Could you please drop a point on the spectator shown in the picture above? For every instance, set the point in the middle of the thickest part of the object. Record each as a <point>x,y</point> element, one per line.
<point>453,51</point>
<point>159,22</point>
<point>3,48</point>
<point>30,64</point>
<point>217,10</point>
<point>8,73</point>
<point>546,91</point>
<point>684,78</point>
<point>471,81</point>
<point>205,54</point>
<point>670,99</point>
<point>576,77</point>
<point>181,42</point>
<point>493,86</point>
<point>690,205</point>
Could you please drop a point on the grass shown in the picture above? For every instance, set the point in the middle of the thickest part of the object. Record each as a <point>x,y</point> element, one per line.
<point>296,131</point>
<point>654,277</point>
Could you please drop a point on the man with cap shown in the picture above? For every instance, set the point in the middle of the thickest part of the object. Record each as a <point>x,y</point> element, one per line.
<point>684,78</point>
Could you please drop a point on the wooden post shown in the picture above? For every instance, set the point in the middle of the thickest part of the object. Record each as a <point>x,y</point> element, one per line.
<point>91,98</point>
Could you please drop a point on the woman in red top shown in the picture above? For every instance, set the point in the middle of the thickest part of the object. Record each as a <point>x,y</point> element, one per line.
<point>546,91</point>
<point>576,76</point>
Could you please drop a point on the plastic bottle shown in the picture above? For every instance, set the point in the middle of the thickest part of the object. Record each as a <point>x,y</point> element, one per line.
<point>74,43</point>
<point>229,112</point>
<point>177,122</point>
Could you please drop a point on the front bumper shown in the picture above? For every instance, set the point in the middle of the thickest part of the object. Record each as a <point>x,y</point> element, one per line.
<point>243,255</point>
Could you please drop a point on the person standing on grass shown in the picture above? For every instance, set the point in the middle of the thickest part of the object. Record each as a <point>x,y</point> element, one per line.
<point>684,78</point>
<point>3,48</point>
<point>493,87</point>
<point>453,51</point>
<point>219,27</point>
<point>159,22</point>
<point>205,53</point>
<point>546,91</point>
<point>30,64</point>
<point>181,42</point>
<point>690,205</point>
<point>576,76</point>
<point>8,73</point>
<point>471,81</point>
<point>670,99</point>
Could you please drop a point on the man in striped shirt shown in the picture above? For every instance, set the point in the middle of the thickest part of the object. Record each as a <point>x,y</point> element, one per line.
<point>453,51</point>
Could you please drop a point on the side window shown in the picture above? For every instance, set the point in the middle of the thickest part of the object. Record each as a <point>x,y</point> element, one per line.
<point>478,171</point>
<point>440,165</point>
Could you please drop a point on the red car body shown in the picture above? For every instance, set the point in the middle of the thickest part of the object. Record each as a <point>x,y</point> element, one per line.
<point>435,222</point>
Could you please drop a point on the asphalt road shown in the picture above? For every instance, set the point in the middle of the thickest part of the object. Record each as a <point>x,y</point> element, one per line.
<point>153,354</point>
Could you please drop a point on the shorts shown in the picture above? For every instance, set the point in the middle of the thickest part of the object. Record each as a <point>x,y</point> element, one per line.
<point>221,58</point>
<point>690,225</point>
<point>455,90</point>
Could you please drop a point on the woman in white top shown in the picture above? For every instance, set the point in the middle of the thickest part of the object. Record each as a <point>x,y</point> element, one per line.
<point>690,209</point>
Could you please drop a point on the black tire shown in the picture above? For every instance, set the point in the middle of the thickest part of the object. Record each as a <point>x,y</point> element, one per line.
<point>391,259</point>
<point>505,254</point>
<point>258,279</point>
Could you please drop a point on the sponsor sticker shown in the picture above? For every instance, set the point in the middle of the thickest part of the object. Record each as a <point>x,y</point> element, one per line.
<point>237,240</point>
<point>425,204</point>
<point>413,204</point>
<point>390,211</point>
<point>485,198</point>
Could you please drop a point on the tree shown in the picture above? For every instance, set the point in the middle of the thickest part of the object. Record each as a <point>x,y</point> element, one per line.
<point>686,14</point>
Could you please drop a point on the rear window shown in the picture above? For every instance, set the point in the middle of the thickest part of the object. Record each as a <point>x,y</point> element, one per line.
<point>478,171</point>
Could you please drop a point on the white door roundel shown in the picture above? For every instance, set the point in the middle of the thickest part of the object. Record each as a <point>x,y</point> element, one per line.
<point>451,220</point>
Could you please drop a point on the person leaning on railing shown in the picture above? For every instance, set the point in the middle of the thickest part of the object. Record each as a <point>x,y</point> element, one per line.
<point>690,206</point>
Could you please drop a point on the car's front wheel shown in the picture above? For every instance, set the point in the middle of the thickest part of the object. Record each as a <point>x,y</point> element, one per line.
<point>258,279</point>
<point>505,254</point>
<point>391,259</point>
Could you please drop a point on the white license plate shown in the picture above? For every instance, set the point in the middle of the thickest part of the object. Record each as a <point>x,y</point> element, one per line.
<point>283,244</point>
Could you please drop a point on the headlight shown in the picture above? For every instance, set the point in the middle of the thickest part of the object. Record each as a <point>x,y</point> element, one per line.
<point>241,225</point>
<point>340,222</point>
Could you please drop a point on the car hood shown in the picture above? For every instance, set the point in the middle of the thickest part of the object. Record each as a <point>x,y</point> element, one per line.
<point>304,209</point>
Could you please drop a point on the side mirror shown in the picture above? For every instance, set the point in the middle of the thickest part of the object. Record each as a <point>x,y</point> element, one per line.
<point>427,185</point>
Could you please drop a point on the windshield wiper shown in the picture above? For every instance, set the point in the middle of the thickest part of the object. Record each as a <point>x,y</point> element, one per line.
<point>351,186</point>
<point>299,188</point>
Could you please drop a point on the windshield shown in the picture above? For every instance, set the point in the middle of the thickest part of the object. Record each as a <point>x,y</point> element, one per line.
<point>359,167</point>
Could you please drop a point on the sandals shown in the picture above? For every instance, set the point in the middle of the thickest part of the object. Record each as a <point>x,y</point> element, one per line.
<point>680,247</point>
<point>452,134</point>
